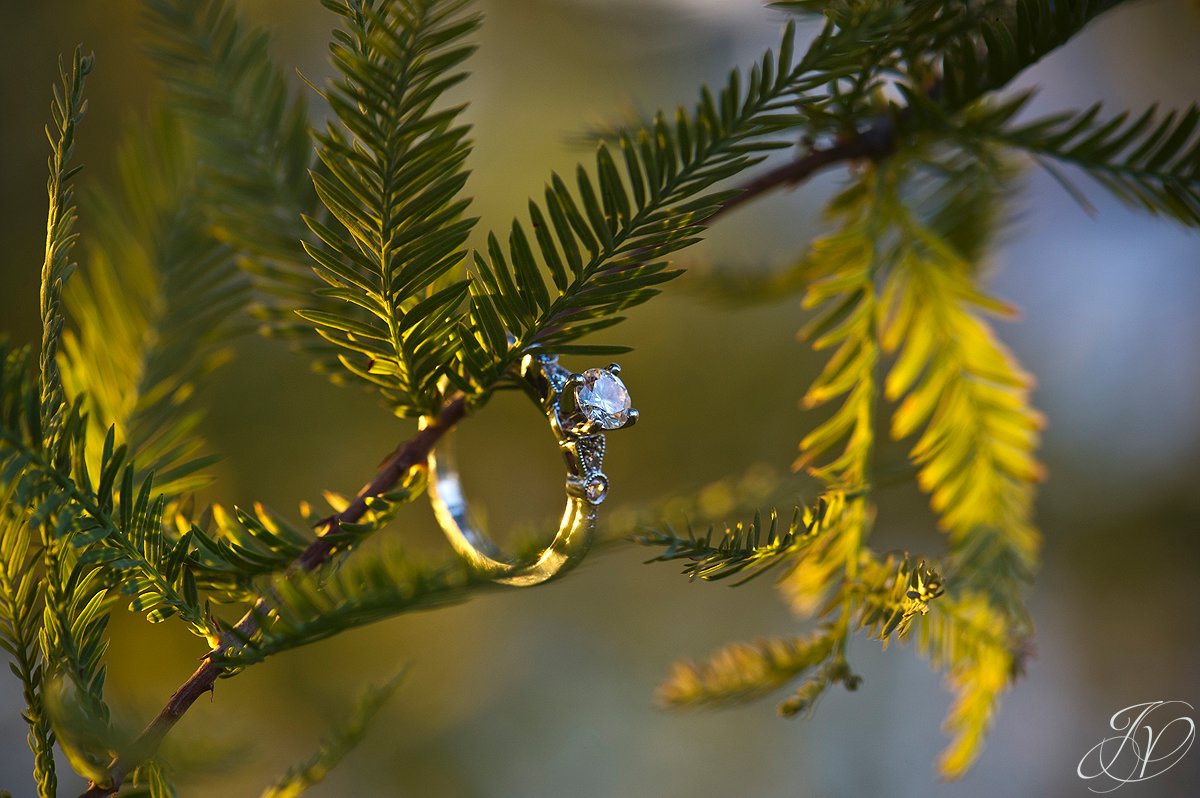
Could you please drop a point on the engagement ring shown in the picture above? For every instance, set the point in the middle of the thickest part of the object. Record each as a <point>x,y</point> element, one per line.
<point>580,409</point>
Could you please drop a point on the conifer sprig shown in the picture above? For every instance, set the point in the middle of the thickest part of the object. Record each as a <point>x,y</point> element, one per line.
<point>890,284</point>
<point>253,133</point>
<point>975,643</point>
<point>967,400</point>
<point>988,55</point>
<point>399,465</point>
<point>251,130</point>
<point>21,603</point>
<point>1150,161</point>
<point>67,110</point>
<point>746,549</point>
<point>116,521</point>
<point>74,641</point>
<point>35,419</point>
<point>395,169</point>
<point>847,263</point>
<point>744,671</point>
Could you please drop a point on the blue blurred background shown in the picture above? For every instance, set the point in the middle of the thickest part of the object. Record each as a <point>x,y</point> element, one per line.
<point>549,692</point>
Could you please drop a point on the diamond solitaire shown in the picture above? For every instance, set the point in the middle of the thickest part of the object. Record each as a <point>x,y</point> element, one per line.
<point>602,398</point>
<point>581,409</point>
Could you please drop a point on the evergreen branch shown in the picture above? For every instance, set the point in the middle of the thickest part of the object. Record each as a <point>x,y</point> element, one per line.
<point>962,195</point>
<point>67,110</point>
<point>338,743</point>
<point>889,594</point>
<point>967,399</point>
<point>251,130</point>
<point>973,641</point>
<point>239,546</point>
<point>875,143</point>
<point>71,601</point>
<point>21,595</point>
<point>1151,162</point>
<point>847,262</point>
<point>988,55</point>
<point>963,201</point>
<point>245,545</point>
<point>75,619</point>
<point>876,245</point>
<point>846,265</point>
<point>73,642</point>
<point>395,170</point>
<point>984,45</point>
<point>741,548</point>
<point>257,154</point>
<point>744,671</point>
<point>113,521</point>
<point>21,602</point>
<point>155,308</point>
<point>956,53</point>
<point>831,560</point>
<point>395,468</point>
<point>120,526</point>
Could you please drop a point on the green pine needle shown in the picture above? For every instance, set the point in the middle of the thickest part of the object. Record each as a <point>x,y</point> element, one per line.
<point>67,110</point>
<point>744,671</point>
<point>743,550</point>
<point>21,603</point>
<point>1150,161</point>
<point>393,173</point>
<point>989,55</point>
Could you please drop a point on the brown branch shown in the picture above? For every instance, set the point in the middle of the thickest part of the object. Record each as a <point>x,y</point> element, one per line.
<point>875,143</point>
<point>407,456</point>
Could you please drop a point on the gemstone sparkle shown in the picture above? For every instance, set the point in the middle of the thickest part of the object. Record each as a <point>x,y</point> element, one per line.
<point>603,398</point>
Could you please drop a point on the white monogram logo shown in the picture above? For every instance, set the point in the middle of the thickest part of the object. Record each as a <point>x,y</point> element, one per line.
<point>1142,750</point>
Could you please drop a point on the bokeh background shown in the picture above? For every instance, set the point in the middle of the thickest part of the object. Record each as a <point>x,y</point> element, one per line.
<point>549,692</point>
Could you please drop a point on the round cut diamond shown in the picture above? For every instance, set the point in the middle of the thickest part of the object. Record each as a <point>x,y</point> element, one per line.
<point>603,398</point>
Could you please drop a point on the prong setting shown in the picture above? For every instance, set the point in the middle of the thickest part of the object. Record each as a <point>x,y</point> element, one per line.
<point>595,401</point>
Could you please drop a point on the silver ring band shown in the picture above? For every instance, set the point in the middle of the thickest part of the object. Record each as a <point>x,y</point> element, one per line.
<point>579,407</point>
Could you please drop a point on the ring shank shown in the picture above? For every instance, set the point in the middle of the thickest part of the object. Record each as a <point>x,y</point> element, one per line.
<point>574,536</point>
<point>583,455</point>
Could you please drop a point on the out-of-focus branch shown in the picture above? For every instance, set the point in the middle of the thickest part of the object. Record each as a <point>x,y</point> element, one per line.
<point>873,143</point>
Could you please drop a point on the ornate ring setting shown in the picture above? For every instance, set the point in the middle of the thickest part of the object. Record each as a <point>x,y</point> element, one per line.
<point>580,409</point>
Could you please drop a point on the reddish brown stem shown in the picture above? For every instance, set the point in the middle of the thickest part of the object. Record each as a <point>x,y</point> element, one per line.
<point>407,456</point>
<point>874,143</point>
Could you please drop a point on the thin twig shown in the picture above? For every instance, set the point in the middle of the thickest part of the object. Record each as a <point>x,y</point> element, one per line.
<point>407,456</point>
<point>874,143</point>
